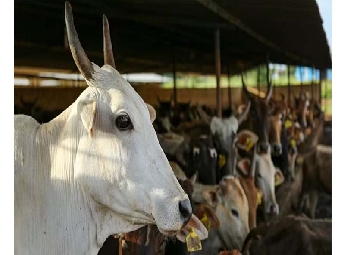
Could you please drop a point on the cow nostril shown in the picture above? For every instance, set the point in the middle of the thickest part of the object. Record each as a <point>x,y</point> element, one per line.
<point>263,147</point>
<point>277,149</point>
<point>185,209</point>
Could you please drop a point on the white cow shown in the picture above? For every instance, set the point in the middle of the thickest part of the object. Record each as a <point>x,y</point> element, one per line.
<point>95,170</point>
<point>225,129</point>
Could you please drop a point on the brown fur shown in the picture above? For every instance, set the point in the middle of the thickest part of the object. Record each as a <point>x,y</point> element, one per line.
<point>248,185</point>
<point>317,169</point>
<point>291,236</point>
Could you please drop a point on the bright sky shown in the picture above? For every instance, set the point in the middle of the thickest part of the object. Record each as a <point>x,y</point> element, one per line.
<point>325,7</point>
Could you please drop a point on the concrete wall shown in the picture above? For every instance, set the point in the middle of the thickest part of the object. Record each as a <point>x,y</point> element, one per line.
<point>56,98</point>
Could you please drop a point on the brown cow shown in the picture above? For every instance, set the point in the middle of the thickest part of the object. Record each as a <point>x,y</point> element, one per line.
<point>258,117</point>
<point>289,192</point>
<point>316,167</point>
<point>312,174</point>
<point>291,236</point>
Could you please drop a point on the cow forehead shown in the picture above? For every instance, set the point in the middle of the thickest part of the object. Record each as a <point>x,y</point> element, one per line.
<point>234,187</point>
<point>120,92</point>
<point>224,126</point>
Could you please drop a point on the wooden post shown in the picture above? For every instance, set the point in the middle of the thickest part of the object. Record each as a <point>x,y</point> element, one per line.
<point>267,71</point>
<point>174,77</point>
<point>217,60</point>
<point>312,83</point>
<point>322,76</point>
<point>301,73</point>
<point>289,87</point>
<point>229,90</point>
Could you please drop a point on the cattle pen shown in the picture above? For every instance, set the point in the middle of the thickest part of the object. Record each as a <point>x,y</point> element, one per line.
<point>239,94</point>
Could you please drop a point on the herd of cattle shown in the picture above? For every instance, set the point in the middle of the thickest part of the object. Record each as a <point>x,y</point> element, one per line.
<point>97,179</point>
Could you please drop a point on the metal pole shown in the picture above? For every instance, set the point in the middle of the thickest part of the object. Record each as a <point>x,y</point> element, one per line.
<point>301,73</point>
<point>217,59</point>
<point>229,89</point>
<point>289,87</point>
<point>312,83</point>
<point>258,79</point>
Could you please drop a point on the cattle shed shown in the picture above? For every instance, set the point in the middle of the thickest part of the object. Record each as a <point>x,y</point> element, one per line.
<point>200,36</point>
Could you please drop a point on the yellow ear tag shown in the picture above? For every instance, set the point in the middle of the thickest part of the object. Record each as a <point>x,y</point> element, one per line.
<point>278,180</point>
<point>206,222</point>
<point>259,197</point>
<point>221,160</point>
<point>297,134</point>
<point>293,142</point>
<point>249,144</point>
<point>299,160</point>
<point>193,241</point>
<point>288,124</point>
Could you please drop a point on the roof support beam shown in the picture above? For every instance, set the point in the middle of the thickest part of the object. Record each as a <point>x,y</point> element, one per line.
<point>213,6</point>
<point>218,70</point>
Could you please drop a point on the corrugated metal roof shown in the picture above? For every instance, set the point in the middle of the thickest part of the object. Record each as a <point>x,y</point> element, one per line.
<point>144,33</point>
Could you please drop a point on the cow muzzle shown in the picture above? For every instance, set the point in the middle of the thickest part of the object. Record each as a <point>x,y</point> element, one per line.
<point>263,147</point>
<point>185,209</point>
<point>272,209</point>
<point>277,149</point>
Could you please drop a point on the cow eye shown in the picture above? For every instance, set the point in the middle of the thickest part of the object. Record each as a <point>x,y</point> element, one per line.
<point>259,175</point>
<point>234,212</point>
<point>123,122</point>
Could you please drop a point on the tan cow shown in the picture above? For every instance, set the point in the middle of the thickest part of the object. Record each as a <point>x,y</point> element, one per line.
<point>230,203</point>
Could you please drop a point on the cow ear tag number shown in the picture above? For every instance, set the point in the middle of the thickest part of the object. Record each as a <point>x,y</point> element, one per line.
<point>206,222</point>
<point>193,241</point>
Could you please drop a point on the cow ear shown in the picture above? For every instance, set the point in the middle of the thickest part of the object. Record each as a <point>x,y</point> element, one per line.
<point>194,178</point>
<point>246,139</point>
<point>243,166</point>
<point>212,217</point>
<point>152,112</point>
<point>87,112</point>
<point>278,177</point>
<point>211,196</point>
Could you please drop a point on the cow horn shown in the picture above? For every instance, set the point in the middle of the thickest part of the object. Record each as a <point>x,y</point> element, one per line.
<point>107,45</point>
<point>242,117</point>
<point>269,91</point>
<point>255,233</point>
<point>80,58</point>
<point>244,87</point>
<point>203,114</point>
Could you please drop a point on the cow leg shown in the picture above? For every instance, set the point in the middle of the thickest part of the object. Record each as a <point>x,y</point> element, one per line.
<point>303,200</point>
<point>313,196</point>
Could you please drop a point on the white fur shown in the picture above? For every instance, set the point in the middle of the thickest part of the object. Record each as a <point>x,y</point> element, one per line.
<point>75,186</point>
<point>266,169</point>
<point>225,128</point>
